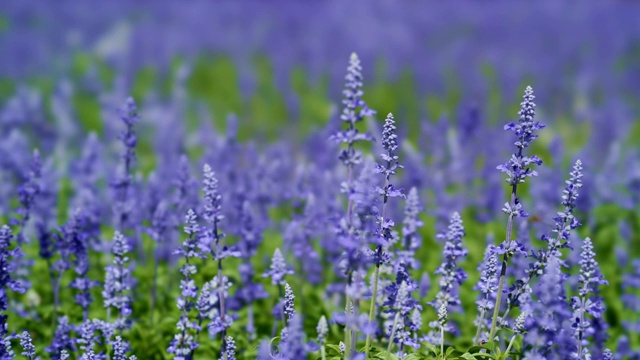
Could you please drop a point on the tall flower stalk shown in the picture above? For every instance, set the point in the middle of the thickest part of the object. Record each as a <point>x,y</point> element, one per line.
<point>184,342</point>
<point>518,168</point>
<point>6,281</point>
<point>451,273</point>
<point>277,271</point>
<point>213,215</point>
<point>353,112</point>
<point>587,302</point>
<point>117,283</point>
<point>385,229</point>
<point>565,222</point>
<point>487,287</point>
<point>122,183</point>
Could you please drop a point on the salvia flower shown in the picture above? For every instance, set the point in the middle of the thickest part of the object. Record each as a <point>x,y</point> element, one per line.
<point>219,324</point>
<point>292,345</point>
<point>403,308</point>
<point>212,197</point>
<point>630,286</point>
<point>120,348</point>
<point>411,239</point>
<point>451,274</point>
<point>213,215</point>
<point>230,349</point>
<point>487,285</point>
<point>278,269</point>
<point>322,329</point>
<point>564,223</point>
<point>354,111</point>
<point>289,298</point>
<point>443,316</point>
<point>117,283</point>
<point>28,350</point>
<point>607,355</point>
<point>27,194</point>
<point>6,280</point>
<point>62,340</point>
<point>451,277</point>
<point>549,320</point>
<point>400,303</point>
<point>122,183</point>
<point>87,336</point>
<point>387,168</point>
<point>77,241</point>
<point>89,355</point>
<point>587,303</point>
<point>184,342</point>
<point>518,168</point>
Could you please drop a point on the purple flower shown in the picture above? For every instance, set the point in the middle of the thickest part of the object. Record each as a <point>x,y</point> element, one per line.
<point>27,193</point>
<point>401,303</point>
<point>213,215</point>
<point>451,274</point>
<point>212,198</point>
<point>299,236</point>
<point>288,304</point>
<point>62,339</point>
<point>292,345</point>
<point>28,350</point>
<point>487,285</point>
<point>550,315</point>
<point>122,183</point>
<point>278,269</point>
<point>322,329</point>
<point>564,223</point>
<point>411,239</point>
<point>588,303</point>
<point>185,340</point>
<point>518,168</point>
<point>75,242</point>
<point>87,336</point>
<point>354,111</point>
<point>117,283</point>
<point>120,348</point>
<point>7,281</point>
<point>386,235</point>
<point>230,349</point>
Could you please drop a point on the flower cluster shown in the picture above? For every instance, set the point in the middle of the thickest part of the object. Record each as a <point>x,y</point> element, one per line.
<point>117,284</point>
<point>354,111</point>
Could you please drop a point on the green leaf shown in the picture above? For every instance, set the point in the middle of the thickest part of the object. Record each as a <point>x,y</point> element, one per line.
<point>384,354</point>
<point>432,348</point>
<point>450,351</point>
<point>335,348</point>
<point>414,356</point>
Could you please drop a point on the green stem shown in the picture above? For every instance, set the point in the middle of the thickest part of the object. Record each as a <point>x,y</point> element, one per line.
<point>393,335</point>
<point>323,353</point>
<point>372,308</point>
<point>503,269</point>
<point>442,341</point>
<point>580,331</point>
<point>513,338</point>
<point>481,325</point>
<point>496,309</point>
<point>347,331</point>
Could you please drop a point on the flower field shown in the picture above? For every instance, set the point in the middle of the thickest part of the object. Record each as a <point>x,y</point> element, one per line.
<point>322,180</point>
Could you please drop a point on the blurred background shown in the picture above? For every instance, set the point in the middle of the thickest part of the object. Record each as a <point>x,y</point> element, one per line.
<point>278,67</point>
